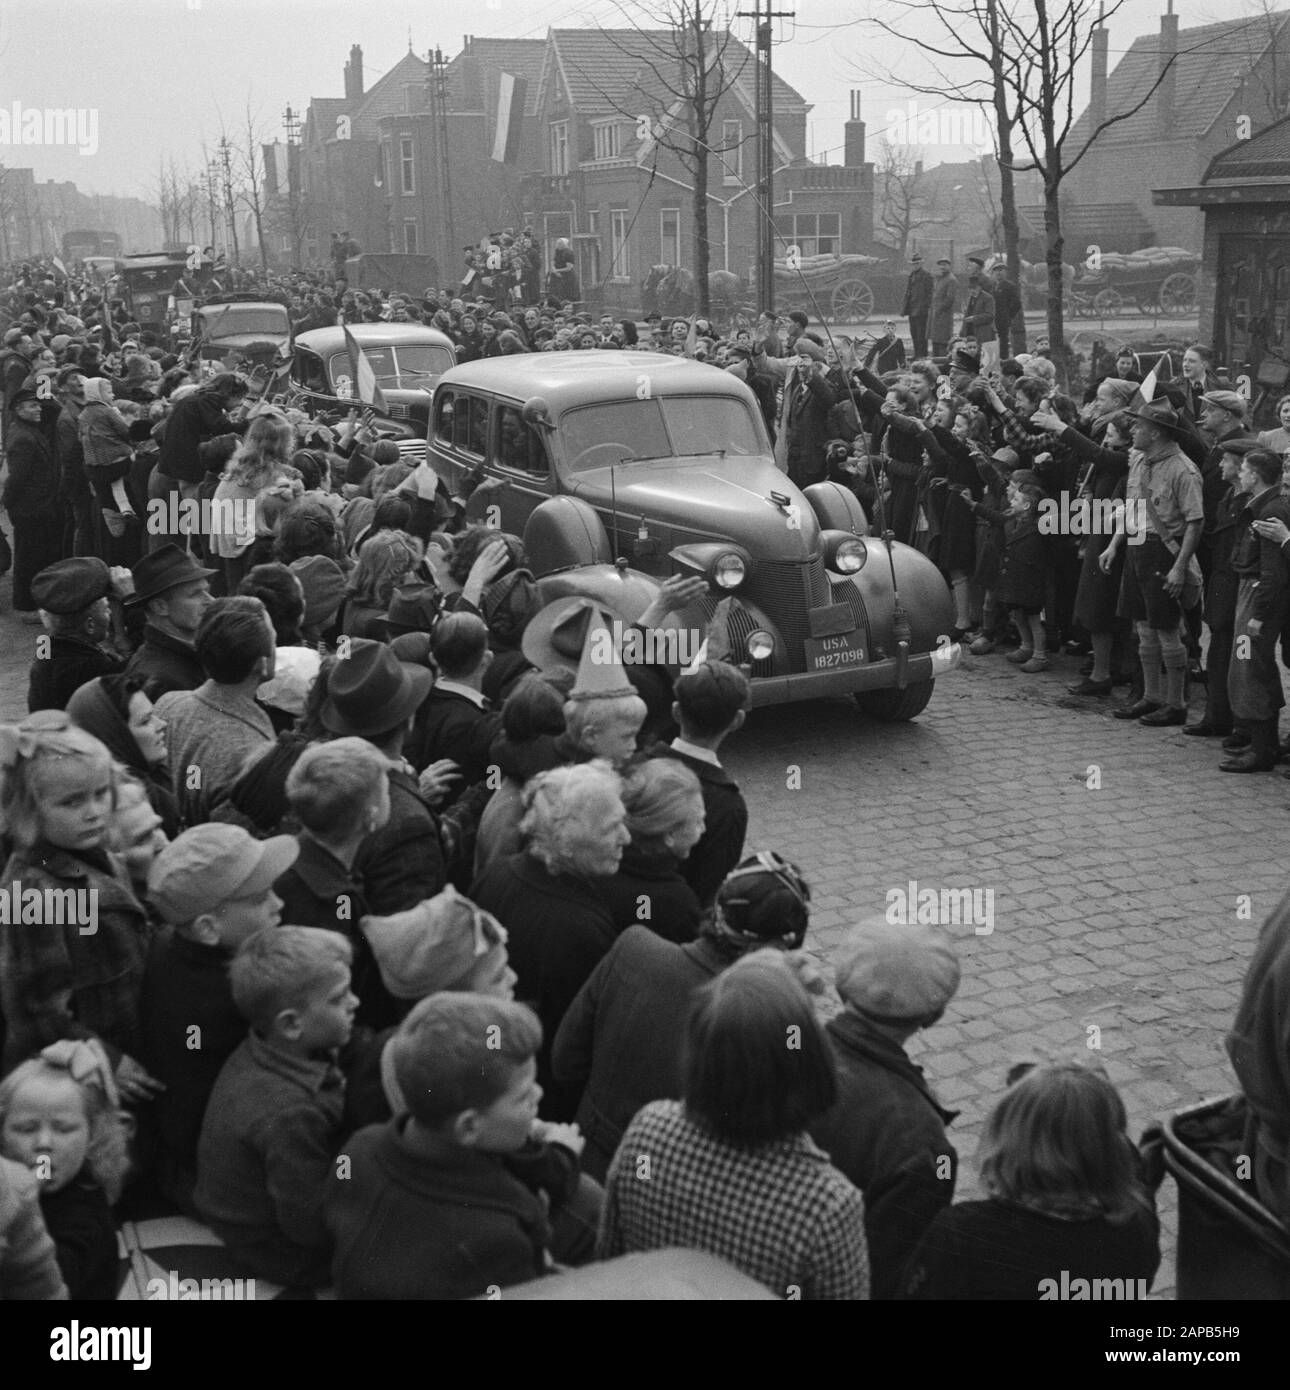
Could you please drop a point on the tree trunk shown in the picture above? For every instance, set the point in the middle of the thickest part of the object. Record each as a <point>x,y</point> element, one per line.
<point>701,124</point>
<point>1056,285</point>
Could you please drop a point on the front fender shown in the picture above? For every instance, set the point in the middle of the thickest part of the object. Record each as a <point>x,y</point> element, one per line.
<point>924,595</point>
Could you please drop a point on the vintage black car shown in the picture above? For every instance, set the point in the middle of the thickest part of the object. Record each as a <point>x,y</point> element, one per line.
<point>621,468</point>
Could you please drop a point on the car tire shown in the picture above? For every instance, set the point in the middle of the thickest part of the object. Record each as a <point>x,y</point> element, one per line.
<point>896,706</point>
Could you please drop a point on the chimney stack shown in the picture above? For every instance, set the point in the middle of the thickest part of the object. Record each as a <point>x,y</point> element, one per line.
<point>354,75</point>
<point>853,136</point>
<point>1097,96</point>
<point>1166,93</point>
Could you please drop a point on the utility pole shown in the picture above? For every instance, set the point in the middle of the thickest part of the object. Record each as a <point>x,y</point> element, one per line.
<point>764,92</point>
<point>439,117</point>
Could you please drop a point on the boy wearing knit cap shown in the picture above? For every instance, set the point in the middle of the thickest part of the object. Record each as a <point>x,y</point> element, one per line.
<point>886,1131</point>
<point>434,1208</point>
<point>213,886</point>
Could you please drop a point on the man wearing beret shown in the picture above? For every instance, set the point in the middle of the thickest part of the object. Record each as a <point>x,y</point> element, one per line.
<point>886,1131</point>
<point>72,597</point>
<point>803,428</point>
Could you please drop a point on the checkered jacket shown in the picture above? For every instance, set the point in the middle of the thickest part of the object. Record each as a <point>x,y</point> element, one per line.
<point>780,1213</point>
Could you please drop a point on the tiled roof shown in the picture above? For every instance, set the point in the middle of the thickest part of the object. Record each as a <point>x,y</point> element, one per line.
<point>1264,156</point>
<point>519,57</point>
<point>599,66</point>
<point>386,96</point>
<point>1208,58</point>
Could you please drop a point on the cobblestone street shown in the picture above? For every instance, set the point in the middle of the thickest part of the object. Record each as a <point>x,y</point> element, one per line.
<point>1117,919</point>
<point>1116,907</point>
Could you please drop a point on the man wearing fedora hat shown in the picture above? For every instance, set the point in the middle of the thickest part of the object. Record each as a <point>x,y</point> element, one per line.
<point>1161,575</point>
<point>173,591</point>
<point>917,303</point>
<point>371,694</point>
<point>978,314</point>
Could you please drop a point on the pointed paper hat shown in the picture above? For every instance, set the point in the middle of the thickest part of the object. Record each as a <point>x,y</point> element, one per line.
<point>600,672</point>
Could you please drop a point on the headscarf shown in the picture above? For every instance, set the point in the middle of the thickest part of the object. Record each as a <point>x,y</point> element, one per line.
<point>102,707</point>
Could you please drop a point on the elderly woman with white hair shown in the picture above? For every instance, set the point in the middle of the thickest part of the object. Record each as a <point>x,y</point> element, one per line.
<point>551,898</point>
<point>665,819</point>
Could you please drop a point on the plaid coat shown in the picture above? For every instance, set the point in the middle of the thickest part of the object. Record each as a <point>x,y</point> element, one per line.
<point>780,1213</point>
<point>56,982</point>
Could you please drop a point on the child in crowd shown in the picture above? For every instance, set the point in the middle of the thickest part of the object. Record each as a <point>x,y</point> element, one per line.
<point>1023,582</point>
<point>273,1125</point>
<point>135,833</point>
<point>213,887</point>
<point>59,1117</point>
<point>1066,1198</point>
<point>432,1209</point>
<point>80,976</point>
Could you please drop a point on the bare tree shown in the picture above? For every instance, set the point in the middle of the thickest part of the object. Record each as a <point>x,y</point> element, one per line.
<point>908,199</point>
<point>1031,52</point>
<point>687,65</point>
<point>249,157</point>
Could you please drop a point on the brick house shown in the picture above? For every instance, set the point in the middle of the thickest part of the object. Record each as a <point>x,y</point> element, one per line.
<point>1229,81</point>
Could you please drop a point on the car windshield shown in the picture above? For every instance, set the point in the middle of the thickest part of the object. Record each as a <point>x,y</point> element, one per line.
<point>661,427</point>
<point>404,367</point>
<point>226,324</point>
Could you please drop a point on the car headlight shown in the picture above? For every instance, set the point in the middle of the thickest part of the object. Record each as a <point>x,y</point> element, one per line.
<point>729,570</point>
<point>849,557</point>
<point>760,645</point>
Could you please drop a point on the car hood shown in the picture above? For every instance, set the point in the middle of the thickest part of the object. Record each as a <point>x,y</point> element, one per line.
<point>714,498</point>
<point>244,340</point>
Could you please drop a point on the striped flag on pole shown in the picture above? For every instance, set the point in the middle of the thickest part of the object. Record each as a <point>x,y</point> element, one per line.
<point>364,378</point>
<point>60,267</point>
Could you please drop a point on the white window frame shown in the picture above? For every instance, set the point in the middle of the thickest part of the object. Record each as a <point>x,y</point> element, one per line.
<point>732,151</point>
<point>559,151</point>
<point>407,166</point>
<point>664,214</point>
<point>607,140</point>
<point>620,261</point>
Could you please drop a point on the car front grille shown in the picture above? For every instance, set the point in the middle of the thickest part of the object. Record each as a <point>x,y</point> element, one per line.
<point>396,410</point>
<point>787,592</point>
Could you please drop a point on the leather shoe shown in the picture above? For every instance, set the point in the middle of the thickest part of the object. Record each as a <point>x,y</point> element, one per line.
<point>1237,741</point>
<point>1247,762</point>
<point>1088,686</point>
<point>1205,729</point>
<point>1164,717</point>
<point>1136,711</point>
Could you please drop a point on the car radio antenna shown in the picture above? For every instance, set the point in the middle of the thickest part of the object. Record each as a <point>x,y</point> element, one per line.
<point>613,505</point>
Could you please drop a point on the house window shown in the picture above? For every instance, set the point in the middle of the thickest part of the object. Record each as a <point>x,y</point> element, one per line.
<point>608,140</point>
<point>559,147</point>
<point>669,236</point>
<point>410,238</point>
<point>732,151</point>
<point>407,176</point>
<point>814,234</point>
<point>382,165</point>
<point>620,266</point>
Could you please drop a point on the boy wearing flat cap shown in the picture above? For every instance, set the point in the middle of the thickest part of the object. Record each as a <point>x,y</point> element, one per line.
<point>886,1131</point>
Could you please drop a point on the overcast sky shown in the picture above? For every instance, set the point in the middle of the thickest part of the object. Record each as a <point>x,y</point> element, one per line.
<point>158,76</point>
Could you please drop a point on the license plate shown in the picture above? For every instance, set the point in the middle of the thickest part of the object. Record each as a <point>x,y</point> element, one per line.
<point>830,653</point>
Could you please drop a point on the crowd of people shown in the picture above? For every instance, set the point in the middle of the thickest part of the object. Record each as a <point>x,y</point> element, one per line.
<point>364,914</point>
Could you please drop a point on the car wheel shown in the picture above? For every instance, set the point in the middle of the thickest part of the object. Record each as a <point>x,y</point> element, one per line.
<point>896,706</point>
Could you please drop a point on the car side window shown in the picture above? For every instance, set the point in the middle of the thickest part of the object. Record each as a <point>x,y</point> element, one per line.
<point>470,425</point>
<point>518,445</point>
<point>443,416</point>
